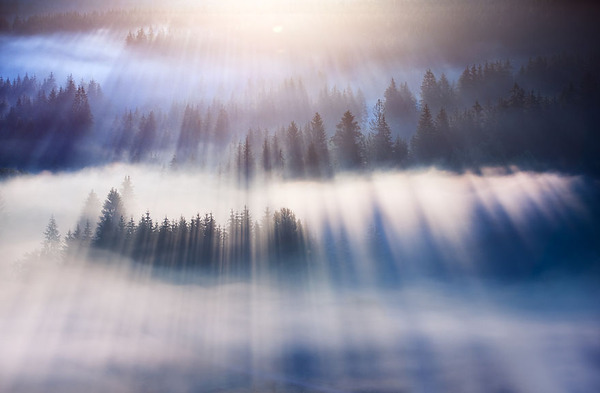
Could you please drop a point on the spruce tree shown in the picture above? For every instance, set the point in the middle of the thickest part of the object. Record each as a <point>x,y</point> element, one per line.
<point>348,143</point>
<point>108,230</point>
<point>52,241</point>
<point>381,137</point>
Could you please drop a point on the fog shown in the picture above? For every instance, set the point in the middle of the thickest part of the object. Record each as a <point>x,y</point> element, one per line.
<point>206,196</point>
<point>202,51</point>
<point>119,326</point>
<point>415,213</point>
<point>228,69</point>
<point>69,330</point>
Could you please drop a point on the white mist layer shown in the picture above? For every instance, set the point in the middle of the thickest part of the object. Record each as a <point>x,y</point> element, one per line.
<point>106,329</point>
<point>123,328</point>
<point>443,204</point>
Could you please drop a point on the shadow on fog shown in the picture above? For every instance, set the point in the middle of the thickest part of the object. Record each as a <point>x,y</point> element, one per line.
<point>384,229</point>
<point>413,281</point>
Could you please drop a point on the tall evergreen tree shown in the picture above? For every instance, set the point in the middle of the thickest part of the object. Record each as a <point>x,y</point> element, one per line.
<point>108,231</point>
<point>190,135</point>
<point>278,159</point>
<point>52,241</point>
<point>267,165</point>
<point>348,143</point>
<point>294,149</point>
<point>126,193</point>
<point>318,151</point>
<point>81,114</point>
<point>91,210</point>
<point>247,161</point>
<point>423,142</point>
<point>381,137</point>
<point>430,91</point>
<point>146,137</point>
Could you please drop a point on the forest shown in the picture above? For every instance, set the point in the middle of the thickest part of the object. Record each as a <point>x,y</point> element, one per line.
<point>491,116</point>
<point>202,244</point>
<point>299,196</point>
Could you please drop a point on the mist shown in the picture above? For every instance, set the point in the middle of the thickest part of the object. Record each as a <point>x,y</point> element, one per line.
<point>286,196</point>
<point>456,211</point>
<point>411,318</point>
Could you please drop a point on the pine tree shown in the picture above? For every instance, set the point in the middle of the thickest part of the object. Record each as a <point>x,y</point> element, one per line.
<point>52,245</point>
<point>430,91</point>
<point>294,151</point>
<point>266,156</point>
<point>278,159</point>
<point>446,91</point>
<point>442,135</point>
<point>287,234</point>
<point>381,137</point>
<point>108,231</point>
<point>126,193</point>
<point>247,162</point>
<point>348,142</point>
<point>81,114</point>
<point>190,134</point>
<point>91,210</point>
<point>422,143</point>
<point>319,160</point>
<point>145,139</point>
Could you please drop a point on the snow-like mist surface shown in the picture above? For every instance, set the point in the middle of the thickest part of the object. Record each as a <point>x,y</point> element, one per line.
<point>98,327</point>
<point>404,205</point>
<point>235,61</point>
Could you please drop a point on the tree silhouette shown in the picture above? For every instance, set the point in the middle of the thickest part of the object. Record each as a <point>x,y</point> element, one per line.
<point>126,193</point>
<point>381,137</point>
<point>109,231</point>
<point>52,245</point>
<point>430,91</point>
<point>424,142</point>
<point>294,144</point>
<point>348,143</point>
<point>81,117</point>
<point>266,160</point>
<point>317,161</point>
<point>400,108</point>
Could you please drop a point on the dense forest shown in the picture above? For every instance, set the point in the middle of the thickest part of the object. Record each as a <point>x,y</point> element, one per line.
<point>299,196</point>
<point>108,231</point>
<point>541,116</point>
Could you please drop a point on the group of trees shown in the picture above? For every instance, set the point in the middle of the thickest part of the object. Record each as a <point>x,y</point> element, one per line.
<point>490,116</point>
<point>311,153</point>
<point>74,21</point>
<point>486,119</point>
<point>145,38</point>
<point>42,121</point>
<point>278,239</point>
<point>507,124</point>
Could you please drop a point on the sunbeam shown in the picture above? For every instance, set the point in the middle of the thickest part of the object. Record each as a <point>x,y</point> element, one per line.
<point>299,196</point>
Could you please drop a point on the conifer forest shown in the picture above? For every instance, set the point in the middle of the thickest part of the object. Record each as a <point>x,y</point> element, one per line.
<point>342,196</point>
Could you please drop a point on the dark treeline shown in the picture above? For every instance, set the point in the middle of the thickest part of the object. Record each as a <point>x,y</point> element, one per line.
<point>276,240</point>
<point>42,123</point>
<point>524,26</point>
<point>74,21</point>
<point>542,116</point>
<point>143,37</point>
